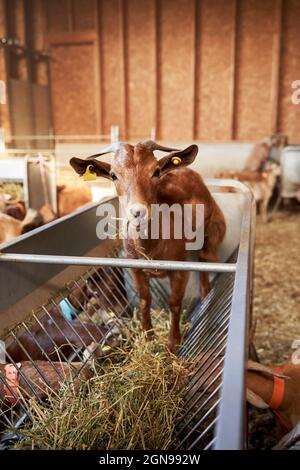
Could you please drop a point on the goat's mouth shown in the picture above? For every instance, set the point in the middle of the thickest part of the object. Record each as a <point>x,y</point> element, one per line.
<point>136,227</point>
<point>137,215</point>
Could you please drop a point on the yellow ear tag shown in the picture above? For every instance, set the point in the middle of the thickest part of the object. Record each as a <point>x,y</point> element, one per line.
<point>176,161</point>
<point>89,174</point>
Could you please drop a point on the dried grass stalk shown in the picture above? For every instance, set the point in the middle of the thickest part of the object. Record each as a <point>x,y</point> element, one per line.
<point>133,402</point>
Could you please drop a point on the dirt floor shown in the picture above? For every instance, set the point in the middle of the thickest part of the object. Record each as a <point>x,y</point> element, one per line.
<point>276,306</point>
<point>277,286</point>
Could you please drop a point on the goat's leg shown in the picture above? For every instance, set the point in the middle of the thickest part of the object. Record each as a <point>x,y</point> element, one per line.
<point>204,284</point>
<point>142,285</point>
<point>204,276</point>
<point>215,234</point>
<point>178,281</point>
<point>264,209</point>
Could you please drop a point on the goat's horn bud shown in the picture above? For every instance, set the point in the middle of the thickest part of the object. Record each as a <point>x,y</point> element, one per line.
<point>112,148</point>
<point>151,145</point>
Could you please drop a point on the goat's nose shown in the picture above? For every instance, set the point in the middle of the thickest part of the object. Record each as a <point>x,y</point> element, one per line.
<point>135,213</point>
<point>138,211</point>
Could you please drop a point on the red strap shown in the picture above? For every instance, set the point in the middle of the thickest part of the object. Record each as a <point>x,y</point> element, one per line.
<point>277,398</point>
<point>278,391</point>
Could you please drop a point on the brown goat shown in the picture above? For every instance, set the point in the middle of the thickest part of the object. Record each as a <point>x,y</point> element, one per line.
<point>16,210</point>
<point>71,197</point>
<point>41,379</point>
<point>262,184</point>
<point>57,343</point>
<point>141,181</point>
<point>11,227</point>
<point>47,214</point>
<point>276,387</point>
<point>261,151</point>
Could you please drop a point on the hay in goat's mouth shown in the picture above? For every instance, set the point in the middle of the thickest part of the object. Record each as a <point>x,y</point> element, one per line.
<point>134,402</point>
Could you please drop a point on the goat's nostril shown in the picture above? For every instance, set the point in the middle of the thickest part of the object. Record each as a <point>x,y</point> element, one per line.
<point>138,212</point>
<point>135,213</point>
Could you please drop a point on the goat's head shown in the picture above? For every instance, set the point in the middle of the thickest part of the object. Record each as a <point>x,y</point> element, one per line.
<point>272,170</point>
<point>279,140</point>
<point>136,173</point>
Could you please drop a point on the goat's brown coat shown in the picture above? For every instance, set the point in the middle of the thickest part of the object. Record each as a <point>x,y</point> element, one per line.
<point>134,169</point>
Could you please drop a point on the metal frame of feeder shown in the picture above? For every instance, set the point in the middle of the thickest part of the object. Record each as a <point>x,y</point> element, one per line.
<point>232,312</point>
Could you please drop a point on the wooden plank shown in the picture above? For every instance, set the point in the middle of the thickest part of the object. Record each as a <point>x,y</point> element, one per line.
<point>289,119</point>
<point>19,19</point>
<point>76,111</point>
<point>84,14</point>
<point>4,107</point>
<point>141,53</point>
<point>197,54</point>
<point>112,66</point>
<point>78,37</point>
<point>176,64</point>
<point>42,122</point>
<point>39,20</point>
<point>275,78</point>
<point>58,15</point>
<point>215,45</point>
<point>255,38</point>
<point>22,118</point>
<point>233,68</point>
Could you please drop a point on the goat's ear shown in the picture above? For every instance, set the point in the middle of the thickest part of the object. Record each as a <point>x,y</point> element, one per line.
<point>178,159</point>
<point>100,168</point>
<point>256,400</point>
<point>257,367</point>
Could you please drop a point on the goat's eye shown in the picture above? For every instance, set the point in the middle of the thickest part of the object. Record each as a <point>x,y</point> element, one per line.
<point>113,176</point>
<point>156,174</point>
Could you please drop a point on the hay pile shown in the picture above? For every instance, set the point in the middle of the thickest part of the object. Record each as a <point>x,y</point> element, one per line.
<point>277,280</point>
<point>132,402</point>
<point>14,190</point>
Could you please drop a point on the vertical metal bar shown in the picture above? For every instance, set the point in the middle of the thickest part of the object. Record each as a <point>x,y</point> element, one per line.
<point>232,406</point>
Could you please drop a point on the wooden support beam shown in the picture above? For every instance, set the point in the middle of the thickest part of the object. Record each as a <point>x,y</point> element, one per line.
<point>78,37</point>
<point>197,59</point>
<point>276,60</point>
<point>234,68</point>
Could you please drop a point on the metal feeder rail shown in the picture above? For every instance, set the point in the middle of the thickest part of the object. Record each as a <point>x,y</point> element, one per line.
<point>216,343</point>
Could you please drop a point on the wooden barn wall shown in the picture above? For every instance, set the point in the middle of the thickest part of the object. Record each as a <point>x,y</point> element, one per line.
<point>27,109</point>
<point>176,36</point>
<point>4,105</point>
<point>214,72</point>
<point>141,67</point>
<point>254,57</point>
<point>113,65</point>
<point>289,115</point>
<point>208,70</point>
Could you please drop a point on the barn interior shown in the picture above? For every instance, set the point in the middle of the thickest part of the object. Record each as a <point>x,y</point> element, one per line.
<point>79,76</point>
